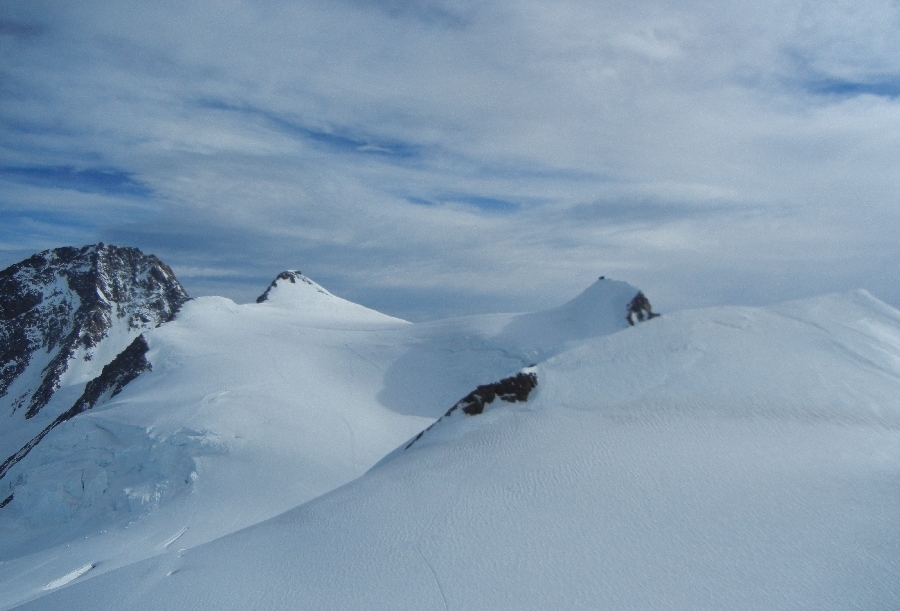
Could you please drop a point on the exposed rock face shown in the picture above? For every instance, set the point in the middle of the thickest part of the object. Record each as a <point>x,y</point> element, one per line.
<point>60,306</point>
<point>74,317</point>
<point>514,389</point>
<point>129,364</point>
<point>639,308</point>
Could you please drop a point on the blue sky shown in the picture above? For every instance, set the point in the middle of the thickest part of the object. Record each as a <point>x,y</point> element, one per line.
<point>437,158</point>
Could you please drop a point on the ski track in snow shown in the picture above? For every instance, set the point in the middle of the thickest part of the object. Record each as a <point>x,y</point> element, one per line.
<point>437,580</point>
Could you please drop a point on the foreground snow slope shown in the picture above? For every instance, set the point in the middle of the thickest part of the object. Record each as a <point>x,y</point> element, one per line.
<point>729,458</point>
<point>251,410</point>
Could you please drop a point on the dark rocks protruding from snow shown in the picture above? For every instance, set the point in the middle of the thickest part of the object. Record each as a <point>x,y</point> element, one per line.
<point>512,390</point>
<point>128,365</point>
<point>292,275</point>
<point>62,303</point>
<point>515,389</point>
<point>639,308</point>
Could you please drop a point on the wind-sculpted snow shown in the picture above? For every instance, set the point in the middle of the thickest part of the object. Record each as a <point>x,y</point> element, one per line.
<point>496,345</point>
<point>726,458</point>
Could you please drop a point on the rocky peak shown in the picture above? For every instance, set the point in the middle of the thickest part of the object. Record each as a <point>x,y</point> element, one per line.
<point>58,306</point>
<point>282,285</point>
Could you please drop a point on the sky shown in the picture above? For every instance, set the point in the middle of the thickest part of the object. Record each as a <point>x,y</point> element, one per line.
<point>434,158</point>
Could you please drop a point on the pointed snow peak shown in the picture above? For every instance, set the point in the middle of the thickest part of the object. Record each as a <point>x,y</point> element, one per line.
<point>604,307</point>
<point>603,291</point>
<point>292,285</point>
<point>610,299</point>
<point>292,291</point>
<point>617,302</point>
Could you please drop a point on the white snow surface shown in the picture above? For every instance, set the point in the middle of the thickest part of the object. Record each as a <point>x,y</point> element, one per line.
<point>251,410</point>
<point>725,458</point>
<point>728,458</point>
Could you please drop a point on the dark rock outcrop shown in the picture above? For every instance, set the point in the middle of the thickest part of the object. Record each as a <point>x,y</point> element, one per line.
<point>128,365</point>
<point>639,308</point>
<point>290,275</point>
<point>293,276</point>
<point>62,303</point>
<point>514,389</point>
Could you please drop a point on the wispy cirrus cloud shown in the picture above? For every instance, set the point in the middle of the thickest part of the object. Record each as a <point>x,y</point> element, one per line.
<point>436,14</point>
<point>341,139</point>
<point>477,155</point>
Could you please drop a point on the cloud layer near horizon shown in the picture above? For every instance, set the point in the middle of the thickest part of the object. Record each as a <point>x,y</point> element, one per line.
<point>430,158</point>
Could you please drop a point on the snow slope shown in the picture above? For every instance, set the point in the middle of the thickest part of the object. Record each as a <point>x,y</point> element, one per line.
<point>249,411</point>
<point>728,458</point>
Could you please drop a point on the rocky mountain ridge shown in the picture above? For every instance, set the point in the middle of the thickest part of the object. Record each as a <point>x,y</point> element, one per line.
<point>74,317</point>
<point>59,306</point>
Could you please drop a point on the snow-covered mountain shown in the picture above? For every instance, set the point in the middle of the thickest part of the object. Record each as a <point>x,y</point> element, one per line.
<point>725,458</point>
<point>245,411</point>
<point>68,312</point>
<point>70,325</point>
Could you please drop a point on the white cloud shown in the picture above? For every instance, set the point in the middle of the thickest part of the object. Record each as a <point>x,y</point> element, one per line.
<point>493,153</point>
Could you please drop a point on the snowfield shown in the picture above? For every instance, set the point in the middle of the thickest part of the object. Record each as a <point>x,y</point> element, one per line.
<point>251,410</point>
<point>724,458</point>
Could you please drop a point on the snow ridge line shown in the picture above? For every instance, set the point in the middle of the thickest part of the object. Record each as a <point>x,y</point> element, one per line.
<point>514,389</point>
